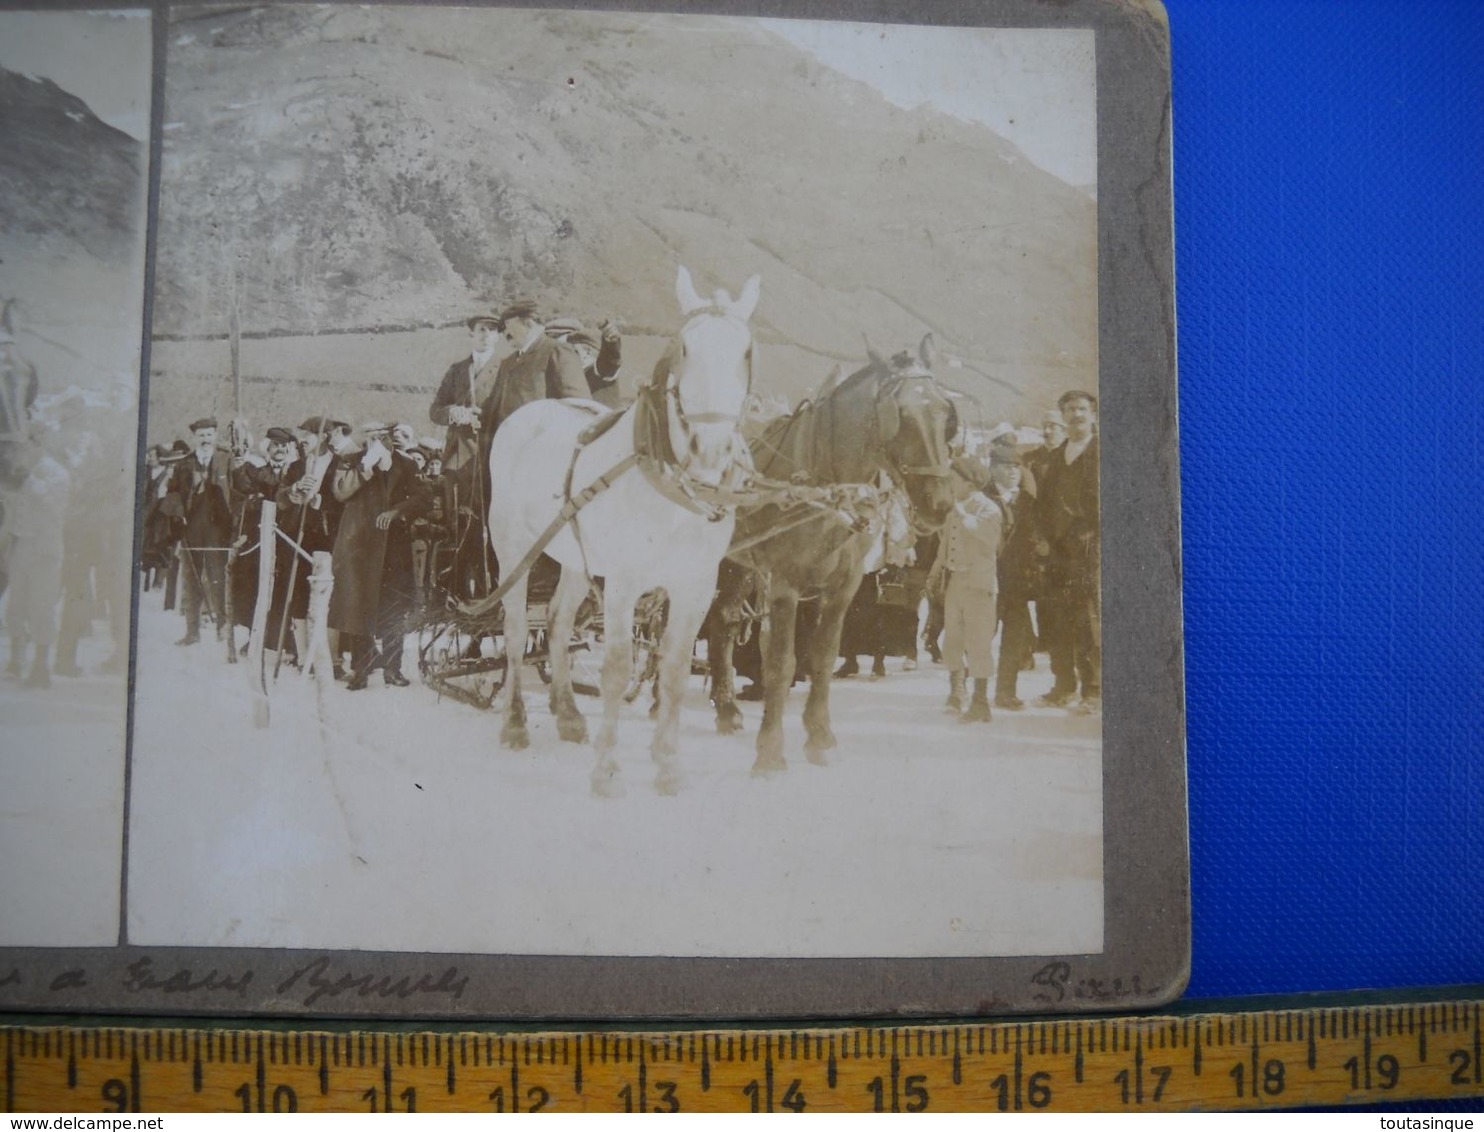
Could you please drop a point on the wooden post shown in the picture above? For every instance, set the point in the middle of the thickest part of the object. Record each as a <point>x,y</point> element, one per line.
<point>257,676</point>
<point>321,582</point>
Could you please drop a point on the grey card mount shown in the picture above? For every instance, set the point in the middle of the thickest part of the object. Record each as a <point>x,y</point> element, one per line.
<point>642,514</point>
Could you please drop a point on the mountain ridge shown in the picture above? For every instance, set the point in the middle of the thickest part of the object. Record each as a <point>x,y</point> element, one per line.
<point>353,167</point>
<point>68,180</point>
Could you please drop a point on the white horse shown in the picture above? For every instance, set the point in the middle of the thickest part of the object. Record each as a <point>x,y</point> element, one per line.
<point>631,535</point>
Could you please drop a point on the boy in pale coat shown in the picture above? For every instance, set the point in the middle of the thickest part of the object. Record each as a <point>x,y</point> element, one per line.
<point>967,566</point>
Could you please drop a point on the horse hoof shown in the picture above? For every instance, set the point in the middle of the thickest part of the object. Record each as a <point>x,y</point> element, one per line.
<point>728,720</point>
<point>817,756</point>
<point>572,728</point>
<point>606,784</point>
<point>668,782</point>
<point>515,738</point>
<point>764,768</point>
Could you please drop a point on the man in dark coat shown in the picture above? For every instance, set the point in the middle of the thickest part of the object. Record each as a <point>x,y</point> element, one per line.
<point>1053,433</point>
<point>201,495</point>
<point>360,483</point>
<point>161,531</point>
<point>600,352</point>
<point>408,498</point>
<point>1071,543</point>
<point>309,514</point>
<point>538,367</point>
<point>1017,571</point>
<point>466,386</point>
<point>255,482</point>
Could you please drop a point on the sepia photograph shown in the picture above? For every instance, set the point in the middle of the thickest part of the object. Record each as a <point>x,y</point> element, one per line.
<point>678,441</point>
<point>74,162</point>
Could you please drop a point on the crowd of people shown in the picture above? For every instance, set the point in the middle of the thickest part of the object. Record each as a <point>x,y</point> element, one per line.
<point>376,497</point>
<point>1017,561</point>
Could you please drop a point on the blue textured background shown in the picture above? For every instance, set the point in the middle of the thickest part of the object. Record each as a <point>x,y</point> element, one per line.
<point>1329,214</point>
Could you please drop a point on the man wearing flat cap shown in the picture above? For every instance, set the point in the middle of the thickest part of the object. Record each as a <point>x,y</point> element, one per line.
<point>201,494</point>
<point>466,386</point>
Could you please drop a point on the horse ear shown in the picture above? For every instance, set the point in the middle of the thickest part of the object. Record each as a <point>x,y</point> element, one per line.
<point>685,291</point>
<point>927,351</point>
<point>876,359</point>
<point>747,302</point>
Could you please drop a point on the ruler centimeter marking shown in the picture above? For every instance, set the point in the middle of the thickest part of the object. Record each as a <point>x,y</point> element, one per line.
<point>1229,1060</point>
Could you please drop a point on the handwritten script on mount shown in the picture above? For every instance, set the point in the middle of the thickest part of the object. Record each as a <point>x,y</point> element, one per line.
<point>321,979</point>
<point>1057,979</point>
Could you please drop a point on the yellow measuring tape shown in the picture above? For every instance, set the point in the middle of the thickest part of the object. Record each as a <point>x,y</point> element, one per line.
<point>1223,1060</point>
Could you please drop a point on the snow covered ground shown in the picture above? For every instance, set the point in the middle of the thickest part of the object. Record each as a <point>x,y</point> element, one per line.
<point>62,805</point>
<point>388,820</point>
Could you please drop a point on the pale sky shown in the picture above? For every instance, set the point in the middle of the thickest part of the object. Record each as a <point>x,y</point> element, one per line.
<point>101,57</point>
<point>1035,86</point>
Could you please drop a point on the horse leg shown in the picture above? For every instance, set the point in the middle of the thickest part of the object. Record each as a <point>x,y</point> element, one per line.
<point>778,675</point>
<point>571,589</point>
<point>687,611</point>
<point>514,734</point>
<point>618,664</point>
<point>726,624</point>
<point>826,643</point>
<point>723,677</point>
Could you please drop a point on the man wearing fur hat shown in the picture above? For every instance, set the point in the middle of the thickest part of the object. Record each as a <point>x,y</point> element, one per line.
<point>466,386</point>
<point>967,567</point>
<point>201,495</point>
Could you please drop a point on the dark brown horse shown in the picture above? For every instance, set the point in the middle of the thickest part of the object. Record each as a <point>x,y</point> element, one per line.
<point>889,419</point>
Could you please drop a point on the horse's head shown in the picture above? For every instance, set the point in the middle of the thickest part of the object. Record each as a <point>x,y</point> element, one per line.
<point>917,422</point>
<point>708,376</point>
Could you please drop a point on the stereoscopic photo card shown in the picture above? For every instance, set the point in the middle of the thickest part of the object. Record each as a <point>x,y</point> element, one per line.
<point>628,506</point>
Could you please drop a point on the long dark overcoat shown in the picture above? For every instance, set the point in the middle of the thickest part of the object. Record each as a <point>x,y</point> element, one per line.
<point>360,548</point>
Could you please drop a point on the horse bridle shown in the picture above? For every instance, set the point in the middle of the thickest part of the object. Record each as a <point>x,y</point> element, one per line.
<point>940,470</point>
<point>672,385</point>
